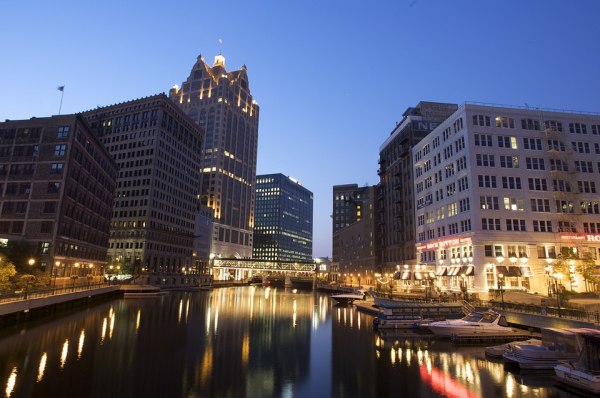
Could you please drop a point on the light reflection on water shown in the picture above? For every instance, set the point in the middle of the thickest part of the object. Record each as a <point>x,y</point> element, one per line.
<point>244,342</point>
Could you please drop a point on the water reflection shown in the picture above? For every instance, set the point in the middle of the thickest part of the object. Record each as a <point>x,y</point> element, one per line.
<point>244,342</point>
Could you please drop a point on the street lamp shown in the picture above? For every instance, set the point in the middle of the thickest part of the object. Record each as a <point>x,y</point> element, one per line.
<point>549,272</point>
<point>359,281</point>
<point>351,277</point>
<point>500,283</point>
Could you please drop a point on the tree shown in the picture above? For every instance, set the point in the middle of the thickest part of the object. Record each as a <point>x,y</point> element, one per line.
<point>74,278</point>
<point>587,268</point>
<point>19,253</point>
<point>7,272</point>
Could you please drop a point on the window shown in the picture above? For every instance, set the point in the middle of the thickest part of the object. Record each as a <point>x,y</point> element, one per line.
<point>59,150</point>
<point>486,181</point>
<point>546,252</point>
<point>515,225</point>
<point>530,124</point>
<point>57,168</point>
<point>21,208</point>
<point>458,125</point>
<point>46,227</point>
<point>449,170</point>
<point>553,125</point>
<point>561,186</point>
<point>421,219</point>
<point>534,144</point>
<point>505,122</point>
<point>591,228</point>
<point>581,147</point>
<point>463,184</point>
<point>564,206</point>
<point>510,162</point>
<point>459,144</point>
<point>49,207</point>
<point>465,225</point>
<point>452,209</point>
<point>558,165</point>
<point>485,160</point>
<point>490,224</point>
<point>53,187</point>
<point>577,128</point>
<point>535,164</point>
<point>513,204</point>
<point>596,129</point>
<point>565,226</point>
<point>464,205</point>
<point>427,166</point>
<point>63,132</point>
<point>448,152</point>
<point>441,232</point>
<point>587,207</point>
<point>537,184</point>
<point>440,212</point>
<point>511,182</point>
<point>488,203</point>
<point>447,133</point>
<point>556,145</point>
<point>507,141</point>
<point>586,186</point>
<point>461,164</point>
<point>482,120</point>
<point>428,182</point>
<point>540,205</point>
<point>483,139</point>
<point>583,166</point>
<point>436,142</point>
<point>453,228</point>
<point>429,217</point>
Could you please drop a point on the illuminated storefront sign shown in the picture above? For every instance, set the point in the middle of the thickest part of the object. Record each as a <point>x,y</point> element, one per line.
<point>588,238</point>
<point>445,243</point>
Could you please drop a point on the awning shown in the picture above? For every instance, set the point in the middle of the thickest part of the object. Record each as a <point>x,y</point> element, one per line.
<point>405,275</point>
<point>514,271</point>
<point>418,276</point>
<point>463,270</point>
<point>429,275</point>
<point>500,269</point>
<point>454,271</point>
<point>470,271</point>
<point>397,275</point>
<point>442,271</point>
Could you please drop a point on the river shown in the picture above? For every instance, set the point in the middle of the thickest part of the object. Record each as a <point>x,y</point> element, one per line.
<point>243,342</point>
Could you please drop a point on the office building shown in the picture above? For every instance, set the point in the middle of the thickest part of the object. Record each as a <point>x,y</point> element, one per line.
<point>355,251</point>
<point>158,150</point>
<point>56,184</point>
<point>505,195</point>
<point>284,219</point>
<point>221,104</point>
<point>396,223</point>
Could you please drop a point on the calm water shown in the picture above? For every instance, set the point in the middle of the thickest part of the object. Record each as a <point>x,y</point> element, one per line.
<point>243,342</point>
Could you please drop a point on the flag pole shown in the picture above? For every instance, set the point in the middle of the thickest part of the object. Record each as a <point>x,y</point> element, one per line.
<point>62,91</point>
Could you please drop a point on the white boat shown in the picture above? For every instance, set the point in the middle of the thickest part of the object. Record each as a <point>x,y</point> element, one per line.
<point>476,323</point>
<point>348,298</point>
<point>585,373</point>
<point>557,345</point>
<point>497,351</point>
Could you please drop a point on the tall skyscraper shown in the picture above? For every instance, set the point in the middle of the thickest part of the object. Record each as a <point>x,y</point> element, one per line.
<point>284,219</point>
<point>221,104</point>
<point>158,150</point>
<point>56,190</point>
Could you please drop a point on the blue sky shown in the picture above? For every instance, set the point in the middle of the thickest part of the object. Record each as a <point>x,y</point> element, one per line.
<point>332,78</point>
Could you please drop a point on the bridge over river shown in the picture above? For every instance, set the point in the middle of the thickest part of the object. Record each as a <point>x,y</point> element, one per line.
<point>244,269</point>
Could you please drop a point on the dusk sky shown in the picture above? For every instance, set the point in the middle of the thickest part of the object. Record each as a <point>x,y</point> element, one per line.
<point>332,78</point>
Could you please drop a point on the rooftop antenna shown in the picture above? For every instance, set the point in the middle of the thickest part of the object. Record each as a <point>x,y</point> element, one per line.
<point>221,47</point>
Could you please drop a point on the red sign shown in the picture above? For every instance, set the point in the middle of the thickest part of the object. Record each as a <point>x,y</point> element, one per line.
<point>589,238</point>
<point>444,243</point>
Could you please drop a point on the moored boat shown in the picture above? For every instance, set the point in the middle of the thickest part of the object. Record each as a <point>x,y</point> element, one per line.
<point>557,345</point>
<point>585,373</point>
<point>349,298</point>
<point>403,315</point>
<point>476,323</point>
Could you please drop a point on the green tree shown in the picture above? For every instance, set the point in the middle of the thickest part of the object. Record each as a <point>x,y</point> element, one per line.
<point>19,253</point>
<point>7,272</point>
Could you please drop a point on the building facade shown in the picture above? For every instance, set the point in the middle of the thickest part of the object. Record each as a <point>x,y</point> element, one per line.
<point>504,196</point>
<point>56,184</point>
<point>355,251</point>
<point>221,104</point>
<point>284,219</point>
<point>158,150</point>
<point>396,222</point>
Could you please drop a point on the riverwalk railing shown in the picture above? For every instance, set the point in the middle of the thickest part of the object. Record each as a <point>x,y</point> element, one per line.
<point>32,294</point>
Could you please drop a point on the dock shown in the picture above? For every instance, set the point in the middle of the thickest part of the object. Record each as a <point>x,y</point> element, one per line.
<point>487,340</point>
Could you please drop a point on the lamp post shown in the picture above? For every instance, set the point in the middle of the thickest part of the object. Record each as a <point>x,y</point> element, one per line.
<point>377,276</point>
<point>500,283</point>
<point>351,277</point>
<point>557,289</point>
<point>549,272</point>
<point>359,281</point>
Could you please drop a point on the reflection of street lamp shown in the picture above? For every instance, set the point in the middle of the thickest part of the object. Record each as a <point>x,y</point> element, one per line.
<point>500,283</point>
<point>359,281</point>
